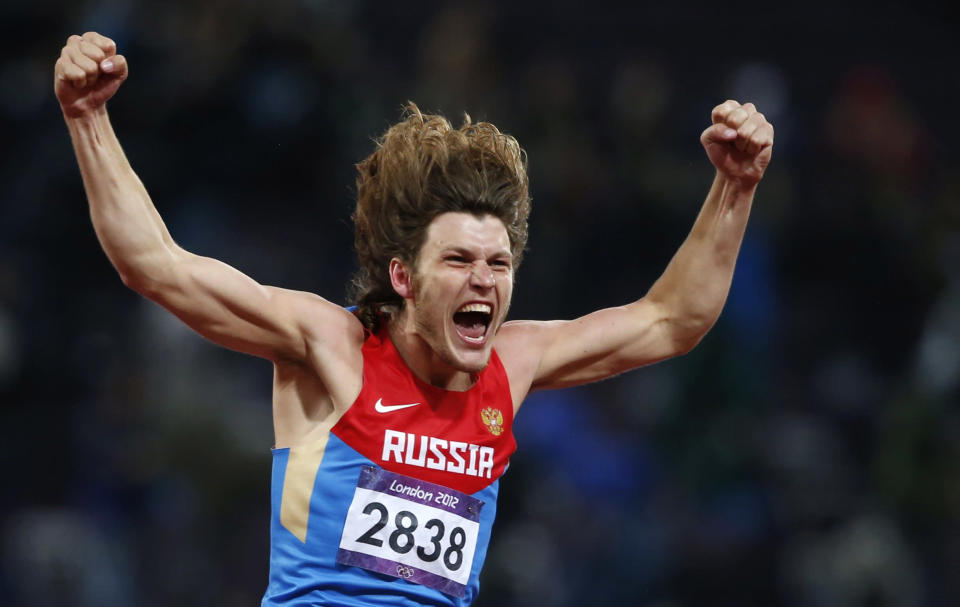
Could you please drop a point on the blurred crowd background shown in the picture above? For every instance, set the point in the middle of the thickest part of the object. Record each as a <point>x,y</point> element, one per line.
<point>805,454</point>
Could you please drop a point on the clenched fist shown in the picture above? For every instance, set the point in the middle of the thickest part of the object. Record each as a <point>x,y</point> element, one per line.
<point>740,141</point>
<point>88,73</point>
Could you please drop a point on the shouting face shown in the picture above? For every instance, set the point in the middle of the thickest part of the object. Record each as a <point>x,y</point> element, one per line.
<point>458,294</point>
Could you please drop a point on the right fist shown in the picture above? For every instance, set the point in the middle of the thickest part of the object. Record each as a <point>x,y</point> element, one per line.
<point>88,73</point>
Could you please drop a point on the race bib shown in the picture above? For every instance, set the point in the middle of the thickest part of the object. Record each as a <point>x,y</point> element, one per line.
<point>411,529</point>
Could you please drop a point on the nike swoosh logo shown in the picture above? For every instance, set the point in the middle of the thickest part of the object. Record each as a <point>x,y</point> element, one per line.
<point>382,408</point>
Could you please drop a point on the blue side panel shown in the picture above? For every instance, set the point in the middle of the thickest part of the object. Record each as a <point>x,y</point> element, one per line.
<point>487,516</point>
<point>306,573</point>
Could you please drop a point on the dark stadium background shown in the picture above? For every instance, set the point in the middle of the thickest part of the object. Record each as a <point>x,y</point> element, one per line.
<point>805,454</point>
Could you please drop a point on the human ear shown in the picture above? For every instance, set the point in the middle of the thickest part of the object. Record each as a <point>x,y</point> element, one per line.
<point>400,279</point>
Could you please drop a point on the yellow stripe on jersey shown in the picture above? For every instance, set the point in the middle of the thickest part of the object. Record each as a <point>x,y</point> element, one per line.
<point>302,465</point>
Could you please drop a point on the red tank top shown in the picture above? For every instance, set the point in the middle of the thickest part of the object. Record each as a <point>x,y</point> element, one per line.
<point>462,440</point>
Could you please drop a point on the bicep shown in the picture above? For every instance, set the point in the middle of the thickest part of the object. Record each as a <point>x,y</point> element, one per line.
<point>602,344</point>
<point>231,309</point>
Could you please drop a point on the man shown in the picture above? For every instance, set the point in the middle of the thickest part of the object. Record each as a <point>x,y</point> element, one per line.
<point>393,422</point>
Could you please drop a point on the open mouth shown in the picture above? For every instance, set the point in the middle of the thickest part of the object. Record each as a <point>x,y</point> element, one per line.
<point>472,321</point>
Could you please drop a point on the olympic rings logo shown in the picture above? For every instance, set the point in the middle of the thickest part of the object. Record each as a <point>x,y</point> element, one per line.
<point>405,572</point>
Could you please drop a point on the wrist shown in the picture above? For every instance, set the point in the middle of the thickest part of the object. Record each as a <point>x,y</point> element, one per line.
<point>91,125</point>
<point>80,115</point>
<point>736,185</point>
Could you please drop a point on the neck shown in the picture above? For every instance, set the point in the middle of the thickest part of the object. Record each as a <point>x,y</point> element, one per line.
<point>423,359</point>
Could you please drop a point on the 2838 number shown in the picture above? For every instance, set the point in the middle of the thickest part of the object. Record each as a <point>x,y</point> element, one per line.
<point>402,541</point>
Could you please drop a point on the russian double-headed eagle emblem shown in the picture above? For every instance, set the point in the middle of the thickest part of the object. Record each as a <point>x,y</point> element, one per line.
<point>493,420</point>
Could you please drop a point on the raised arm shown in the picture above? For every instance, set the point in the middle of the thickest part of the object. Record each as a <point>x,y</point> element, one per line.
<point>685,301</point>
<point>213,298</point>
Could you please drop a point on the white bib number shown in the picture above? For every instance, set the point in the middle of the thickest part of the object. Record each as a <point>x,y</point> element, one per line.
<point>411,529</point>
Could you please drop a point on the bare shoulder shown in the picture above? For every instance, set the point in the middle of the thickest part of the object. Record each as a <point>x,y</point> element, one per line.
<point>323,321</point>
<point>332,338</point>
<point>515,333</point>
<point>333,341</point>
<point>520,344</point>
<point>526,339</point>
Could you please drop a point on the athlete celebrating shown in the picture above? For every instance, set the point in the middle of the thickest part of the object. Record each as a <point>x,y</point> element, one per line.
<point>393,421</point>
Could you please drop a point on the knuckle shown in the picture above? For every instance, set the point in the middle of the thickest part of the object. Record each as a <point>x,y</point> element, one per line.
<point>85,63</point>
<point>93,51</point>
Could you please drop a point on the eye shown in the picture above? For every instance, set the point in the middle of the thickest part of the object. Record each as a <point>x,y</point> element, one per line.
<point>457,259</point>
<point>501,264</point>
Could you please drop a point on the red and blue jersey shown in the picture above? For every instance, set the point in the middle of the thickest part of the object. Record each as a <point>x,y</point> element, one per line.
<point>394,503</point>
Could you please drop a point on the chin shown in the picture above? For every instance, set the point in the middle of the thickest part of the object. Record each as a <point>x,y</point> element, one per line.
<point>472,362</point>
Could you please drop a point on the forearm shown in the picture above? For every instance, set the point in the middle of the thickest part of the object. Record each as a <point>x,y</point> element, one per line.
<point>694,287</point>
<point>127,224</point>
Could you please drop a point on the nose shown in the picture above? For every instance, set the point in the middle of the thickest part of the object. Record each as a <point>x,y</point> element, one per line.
<point>482,275</point>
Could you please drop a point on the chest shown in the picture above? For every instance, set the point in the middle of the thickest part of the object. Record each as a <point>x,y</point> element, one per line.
<point>461,440</point>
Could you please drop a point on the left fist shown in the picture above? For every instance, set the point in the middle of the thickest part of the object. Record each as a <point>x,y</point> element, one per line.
<point>739,142</point>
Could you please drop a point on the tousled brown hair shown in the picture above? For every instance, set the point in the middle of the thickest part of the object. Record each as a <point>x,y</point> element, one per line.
<point>424,167</point>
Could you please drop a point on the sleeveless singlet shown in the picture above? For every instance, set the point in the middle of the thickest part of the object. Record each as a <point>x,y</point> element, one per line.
<point>395,503</point>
